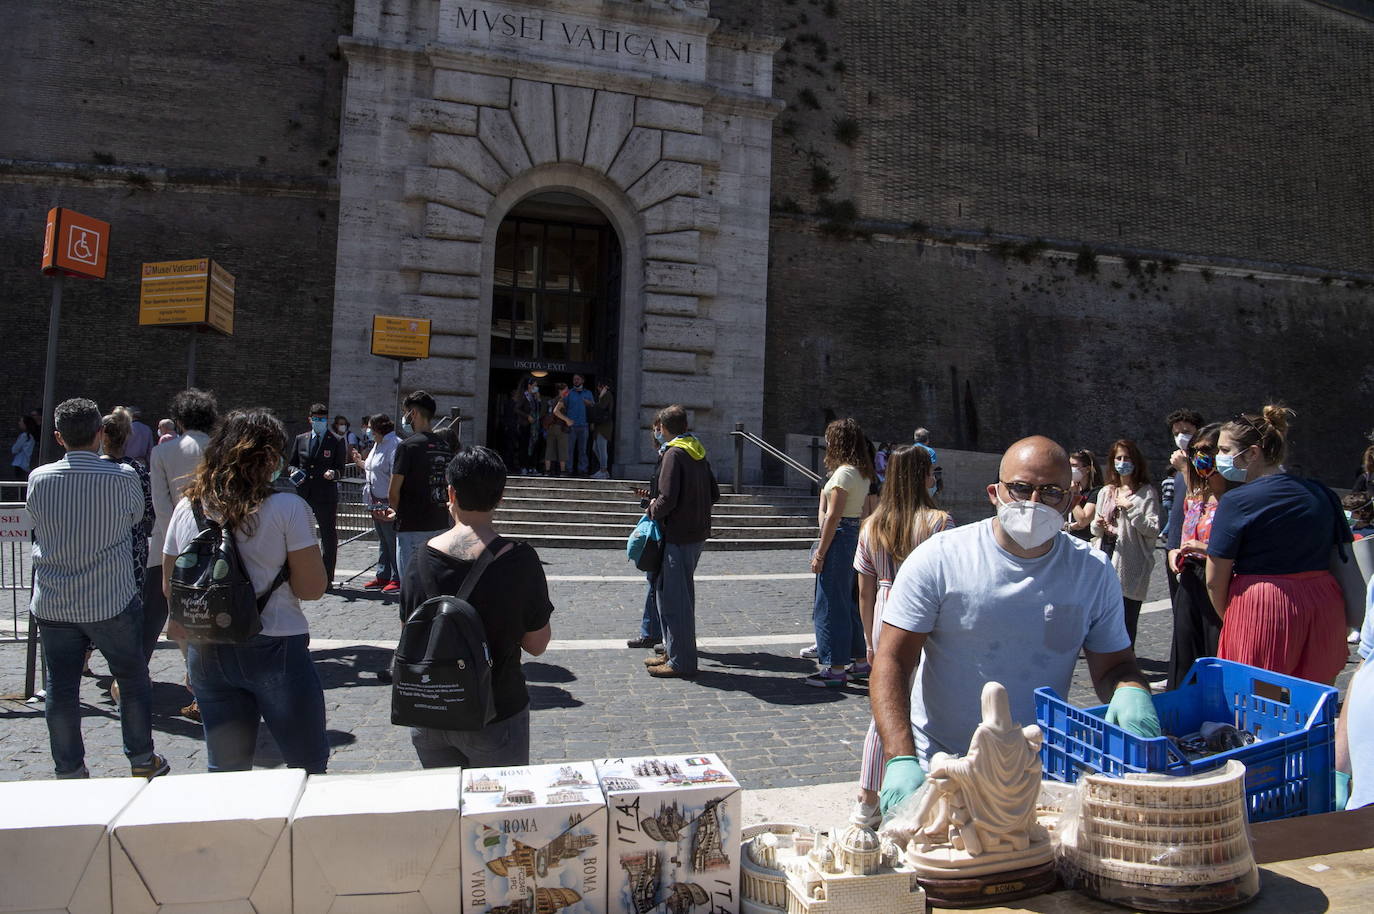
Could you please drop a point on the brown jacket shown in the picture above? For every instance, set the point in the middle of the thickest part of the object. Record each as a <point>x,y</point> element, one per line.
<point>685,491</point>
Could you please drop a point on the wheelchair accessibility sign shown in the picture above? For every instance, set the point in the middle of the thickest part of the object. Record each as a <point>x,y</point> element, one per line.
<point>74,244</point>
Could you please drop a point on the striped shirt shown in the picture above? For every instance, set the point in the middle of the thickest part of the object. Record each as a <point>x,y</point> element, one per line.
<point>83,510</point>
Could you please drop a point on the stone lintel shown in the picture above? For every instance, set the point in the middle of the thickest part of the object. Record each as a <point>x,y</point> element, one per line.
<point>573,111</point>
<point>612,119</point>
<point>532,106</point>
<point>654,112</point>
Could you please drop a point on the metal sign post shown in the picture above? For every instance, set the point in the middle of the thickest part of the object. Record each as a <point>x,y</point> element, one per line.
<point>399,363</point>
<point>191,359</point>
<point>73,245</point>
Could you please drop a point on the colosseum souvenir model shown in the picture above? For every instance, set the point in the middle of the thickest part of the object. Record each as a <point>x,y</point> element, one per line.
<point>855,873</point>
<point>1162,843</point>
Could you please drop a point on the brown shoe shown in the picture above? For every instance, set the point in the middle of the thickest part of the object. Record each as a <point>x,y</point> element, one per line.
<point>655,659</point>
<point>665,671</point>
<point>192,711</point>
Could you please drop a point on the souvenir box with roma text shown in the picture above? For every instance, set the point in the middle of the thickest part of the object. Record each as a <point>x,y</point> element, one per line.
<point>674,835</point>
<point>55,843</point>
<point>377,843</point>
<point>207,842</point>
<point>534,840</point>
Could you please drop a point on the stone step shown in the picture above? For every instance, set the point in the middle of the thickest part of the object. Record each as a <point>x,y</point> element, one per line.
<point>553,486</point>
<point>526,529</point>
<point>506,514</point>
<point>713,544</point>
<point>597,506</point>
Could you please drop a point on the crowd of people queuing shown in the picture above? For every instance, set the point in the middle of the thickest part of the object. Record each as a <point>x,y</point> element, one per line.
<point>925,610</point>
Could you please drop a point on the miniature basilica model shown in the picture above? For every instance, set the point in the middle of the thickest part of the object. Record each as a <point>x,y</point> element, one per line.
<point>792,868</point>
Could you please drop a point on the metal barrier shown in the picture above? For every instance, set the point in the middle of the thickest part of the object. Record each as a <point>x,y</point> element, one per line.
<point>16,586</point>
<point>742,437</point>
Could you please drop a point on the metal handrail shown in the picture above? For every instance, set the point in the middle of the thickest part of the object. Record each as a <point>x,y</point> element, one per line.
<point>741,436</point>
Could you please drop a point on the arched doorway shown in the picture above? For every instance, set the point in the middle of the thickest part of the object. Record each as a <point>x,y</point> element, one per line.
<point>555,305</point>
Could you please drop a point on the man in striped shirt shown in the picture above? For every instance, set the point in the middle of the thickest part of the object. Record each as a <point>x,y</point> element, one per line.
<point>83,510</point>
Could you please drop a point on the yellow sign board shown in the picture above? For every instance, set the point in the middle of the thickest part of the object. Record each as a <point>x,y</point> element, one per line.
<point>179,293</point>
<point>400,337</point>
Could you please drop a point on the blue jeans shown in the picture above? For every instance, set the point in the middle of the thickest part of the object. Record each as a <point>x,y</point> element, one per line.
<point>501,744</point>
<point>265,678</point>
<point>408,542</point>
<point>602,448</point>
<point>677,604</point>
<point>386,550</point>
<point>577,442</point>
<point>839,630</point>
<point>120,642</point>
<point>649,625</point>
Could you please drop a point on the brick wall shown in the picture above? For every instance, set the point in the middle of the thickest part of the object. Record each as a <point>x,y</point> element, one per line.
<point>1236,129</point>
<point>983,350</point>
<point>194,130</point>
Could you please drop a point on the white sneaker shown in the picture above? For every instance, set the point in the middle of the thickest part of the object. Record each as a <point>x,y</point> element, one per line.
<point>809,653</point>
<point>863,814</point>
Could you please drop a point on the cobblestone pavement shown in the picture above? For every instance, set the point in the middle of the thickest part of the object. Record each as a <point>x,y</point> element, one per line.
<point>748,704</point>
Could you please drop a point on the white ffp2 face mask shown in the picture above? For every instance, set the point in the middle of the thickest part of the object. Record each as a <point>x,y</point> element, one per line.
<point>1029,523</point>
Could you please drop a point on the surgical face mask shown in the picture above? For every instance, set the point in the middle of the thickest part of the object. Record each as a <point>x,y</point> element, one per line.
<point>367,433</point>
<point>1183,439</point>
<point>658,436</point>
<point>318,424</point>
<point>1125,468</point>
<point>281,465</point>
<point>931,489</point>
<point>1078,475</point>
<point>1030,524</point>
<point>1350,518</point>
<point>1226,466</point>
<point>406,427</point>
<point>341,429</point>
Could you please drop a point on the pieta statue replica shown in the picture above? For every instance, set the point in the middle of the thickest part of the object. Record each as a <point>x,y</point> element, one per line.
<point>971,832</point>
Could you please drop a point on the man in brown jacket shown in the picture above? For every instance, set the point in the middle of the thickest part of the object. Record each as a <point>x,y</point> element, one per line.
<point>683,492</point>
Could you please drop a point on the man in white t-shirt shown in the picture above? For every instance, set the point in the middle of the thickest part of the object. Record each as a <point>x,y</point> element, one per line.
<point>1011,599</point>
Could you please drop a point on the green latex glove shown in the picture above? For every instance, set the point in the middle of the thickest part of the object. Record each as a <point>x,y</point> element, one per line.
<point>1133,710</point>
<point>1342,790</point>
<point>902,777</point>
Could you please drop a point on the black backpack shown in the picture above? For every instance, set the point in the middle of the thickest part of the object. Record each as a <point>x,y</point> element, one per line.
<point>441,672</point>
<point>212,596</point>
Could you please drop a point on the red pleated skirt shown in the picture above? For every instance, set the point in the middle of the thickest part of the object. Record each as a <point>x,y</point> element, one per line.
<point>1288,623</point>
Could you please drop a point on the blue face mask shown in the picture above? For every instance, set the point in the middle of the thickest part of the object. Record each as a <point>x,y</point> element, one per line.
<point>931,489</point>
<point>318,424</point>
<point>658,436</point>
<point>407,428</point>
<point>1226,466</point>
<point>1125,468</point>
<point>281,465</point>
<point>367,434</point>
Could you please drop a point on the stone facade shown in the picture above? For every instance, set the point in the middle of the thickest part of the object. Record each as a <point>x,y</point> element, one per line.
<point>459,111</point>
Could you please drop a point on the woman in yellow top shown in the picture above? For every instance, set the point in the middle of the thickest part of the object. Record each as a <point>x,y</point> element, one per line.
<point>835,613</point>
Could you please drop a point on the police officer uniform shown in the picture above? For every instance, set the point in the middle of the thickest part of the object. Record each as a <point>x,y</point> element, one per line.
<point>314,455</point>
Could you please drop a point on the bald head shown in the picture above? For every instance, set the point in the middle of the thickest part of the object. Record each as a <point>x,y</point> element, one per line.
<point>1036,460</point>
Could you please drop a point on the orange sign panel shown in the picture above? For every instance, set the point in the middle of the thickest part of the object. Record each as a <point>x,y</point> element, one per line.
<point>400,337</point>
<point>180,293</point>
<point>74,244</point>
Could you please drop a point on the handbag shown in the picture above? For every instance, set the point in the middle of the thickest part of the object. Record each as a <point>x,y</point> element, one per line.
<point>645,545</point>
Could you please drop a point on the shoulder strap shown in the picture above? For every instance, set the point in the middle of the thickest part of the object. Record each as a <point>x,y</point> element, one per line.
<point>483,561</point>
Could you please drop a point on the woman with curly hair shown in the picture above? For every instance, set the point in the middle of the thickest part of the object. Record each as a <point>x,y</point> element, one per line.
<point>1126,525</point>
<point>1269,556</point>
<point>905,517</point>
<point>269,677</point>
<point>835,613</point>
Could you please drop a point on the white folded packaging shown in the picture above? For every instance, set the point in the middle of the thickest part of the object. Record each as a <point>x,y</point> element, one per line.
<point>534,840</point>
<point>218,842</point>
<point>378,843</point>
<point>674,825</point>
<point>55,844</point>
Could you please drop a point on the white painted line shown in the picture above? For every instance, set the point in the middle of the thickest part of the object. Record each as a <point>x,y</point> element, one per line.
<point>1156,606</point>
<point>588,644</point>
<point>344,574</point>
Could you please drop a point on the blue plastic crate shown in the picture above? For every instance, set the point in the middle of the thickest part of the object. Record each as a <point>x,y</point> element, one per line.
<point>1288,768</point>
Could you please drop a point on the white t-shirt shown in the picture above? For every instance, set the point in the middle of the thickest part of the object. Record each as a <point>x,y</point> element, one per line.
<point>993,616</point>
<point>283,524</point>
<point>855,488</point>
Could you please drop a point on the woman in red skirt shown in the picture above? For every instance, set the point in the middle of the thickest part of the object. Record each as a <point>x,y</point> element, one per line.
<point>1269,554</point>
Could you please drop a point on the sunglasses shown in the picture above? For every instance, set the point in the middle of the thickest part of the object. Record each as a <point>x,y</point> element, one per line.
<point>1051,495</point>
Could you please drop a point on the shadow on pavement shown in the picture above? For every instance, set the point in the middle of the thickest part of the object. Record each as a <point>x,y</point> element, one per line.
<point>775,690</point>
<point>547,672</point>
<point>542,697</point>
<point>341,667</point>
<point>760,660</point>
<point>267,755</point>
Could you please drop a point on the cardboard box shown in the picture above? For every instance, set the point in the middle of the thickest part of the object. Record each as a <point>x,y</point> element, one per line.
<point>55,843</point>
<point>534,840</point>
<point>378,842</point>
<point>217,841</point>
<point>674,835</point>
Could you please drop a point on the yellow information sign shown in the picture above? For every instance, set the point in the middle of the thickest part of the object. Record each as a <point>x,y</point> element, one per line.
<point>400,337</point>
<point>179,293</point>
